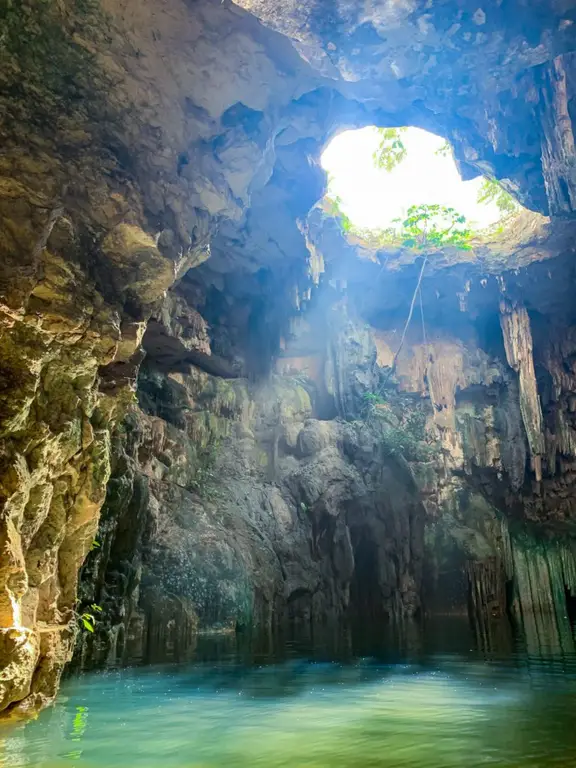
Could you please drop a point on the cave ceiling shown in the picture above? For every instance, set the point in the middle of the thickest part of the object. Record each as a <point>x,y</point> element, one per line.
<point>473,74</point>
<point>203,122</point>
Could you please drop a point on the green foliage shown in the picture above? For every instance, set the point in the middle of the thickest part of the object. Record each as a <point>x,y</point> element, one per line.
<point>88,620</point>
<point>95,545</point>
<point>492,192</point>
<point>374,398</point>
<point>376,405</point>
<point>426,226</point>
<point>333,205</point>
<point>445,150</point>
<point>391,150</point>
<point>378,238</point>
<point>434,226</point>
<point>407,436</point>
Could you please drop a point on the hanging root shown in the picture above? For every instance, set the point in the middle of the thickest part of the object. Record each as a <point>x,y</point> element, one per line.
<point>406,326</point>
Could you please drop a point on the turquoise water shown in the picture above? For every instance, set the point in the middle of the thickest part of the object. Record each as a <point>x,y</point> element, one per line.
<point>421,708</point>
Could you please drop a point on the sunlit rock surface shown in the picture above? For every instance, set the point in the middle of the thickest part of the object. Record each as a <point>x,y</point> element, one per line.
<point>144,140</point>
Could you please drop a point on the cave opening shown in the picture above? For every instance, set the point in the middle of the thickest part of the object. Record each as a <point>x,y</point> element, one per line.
<point>366,599</point>
<point>378,179</point>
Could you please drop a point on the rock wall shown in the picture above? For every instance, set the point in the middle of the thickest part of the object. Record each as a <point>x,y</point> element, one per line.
<point>140,140</point>
<point>333,487</point>
<point>233,505</point>
<point>485,353</point>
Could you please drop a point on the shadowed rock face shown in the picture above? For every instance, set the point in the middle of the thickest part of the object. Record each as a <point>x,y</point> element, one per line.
<point>302,497</point>
<point>485,353</point>
<point>143,142</point>
<point>433,65</point>
<point>256,511</point>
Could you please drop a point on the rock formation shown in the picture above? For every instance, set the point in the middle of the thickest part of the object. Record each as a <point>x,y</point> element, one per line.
<point>181,337</point>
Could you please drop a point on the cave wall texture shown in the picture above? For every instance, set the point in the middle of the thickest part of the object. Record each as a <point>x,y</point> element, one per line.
<point>181,343</point>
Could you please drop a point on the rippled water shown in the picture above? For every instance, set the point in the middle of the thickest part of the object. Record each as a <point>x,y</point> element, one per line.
<point>319,709</point>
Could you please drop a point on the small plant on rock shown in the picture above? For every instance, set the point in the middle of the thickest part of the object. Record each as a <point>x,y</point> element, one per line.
<point>405,436</point>
<point>87,619</point>
<point>333,208</point>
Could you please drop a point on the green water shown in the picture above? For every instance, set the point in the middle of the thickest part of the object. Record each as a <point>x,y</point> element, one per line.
<point>437,704</point>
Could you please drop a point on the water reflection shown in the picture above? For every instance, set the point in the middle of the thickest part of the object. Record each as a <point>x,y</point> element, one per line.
<point>415,700</point>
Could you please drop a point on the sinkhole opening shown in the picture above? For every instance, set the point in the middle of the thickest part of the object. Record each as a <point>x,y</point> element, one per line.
<point>393,184</point>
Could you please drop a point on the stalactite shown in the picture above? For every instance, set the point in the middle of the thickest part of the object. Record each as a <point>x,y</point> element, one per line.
<point>487,585</point>
<point>559,412</point>
<point>506,549</point>
<point>558,149</point>
<point>515,324</point>
<point>543,571</point>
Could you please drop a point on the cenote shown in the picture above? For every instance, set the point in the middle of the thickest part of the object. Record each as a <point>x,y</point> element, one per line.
<point>434,700</point>
<point>287,383</point>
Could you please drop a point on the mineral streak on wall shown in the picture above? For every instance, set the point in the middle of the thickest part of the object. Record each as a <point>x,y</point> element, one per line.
<point>515,324</point>
<point>544,580</point>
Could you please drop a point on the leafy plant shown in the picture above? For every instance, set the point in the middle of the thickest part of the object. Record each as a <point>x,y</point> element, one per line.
<point>492,192</point>
<point>95,545</point>
<point>434,226</point>
<point>88,620</point>
<point>425,225</point>
<point>445,150</point>
<point>391,150</point>
<point>374,398</point>
<point>406,437</point>
<point>333,205</point>
<point>377,238</point>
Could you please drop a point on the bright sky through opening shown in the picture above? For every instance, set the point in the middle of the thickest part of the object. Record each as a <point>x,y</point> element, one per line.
<point>372,197</point>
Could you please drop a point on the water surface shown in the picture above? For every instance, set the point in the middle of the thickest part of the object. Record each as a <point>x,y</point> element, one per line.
<point>313,707</point>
